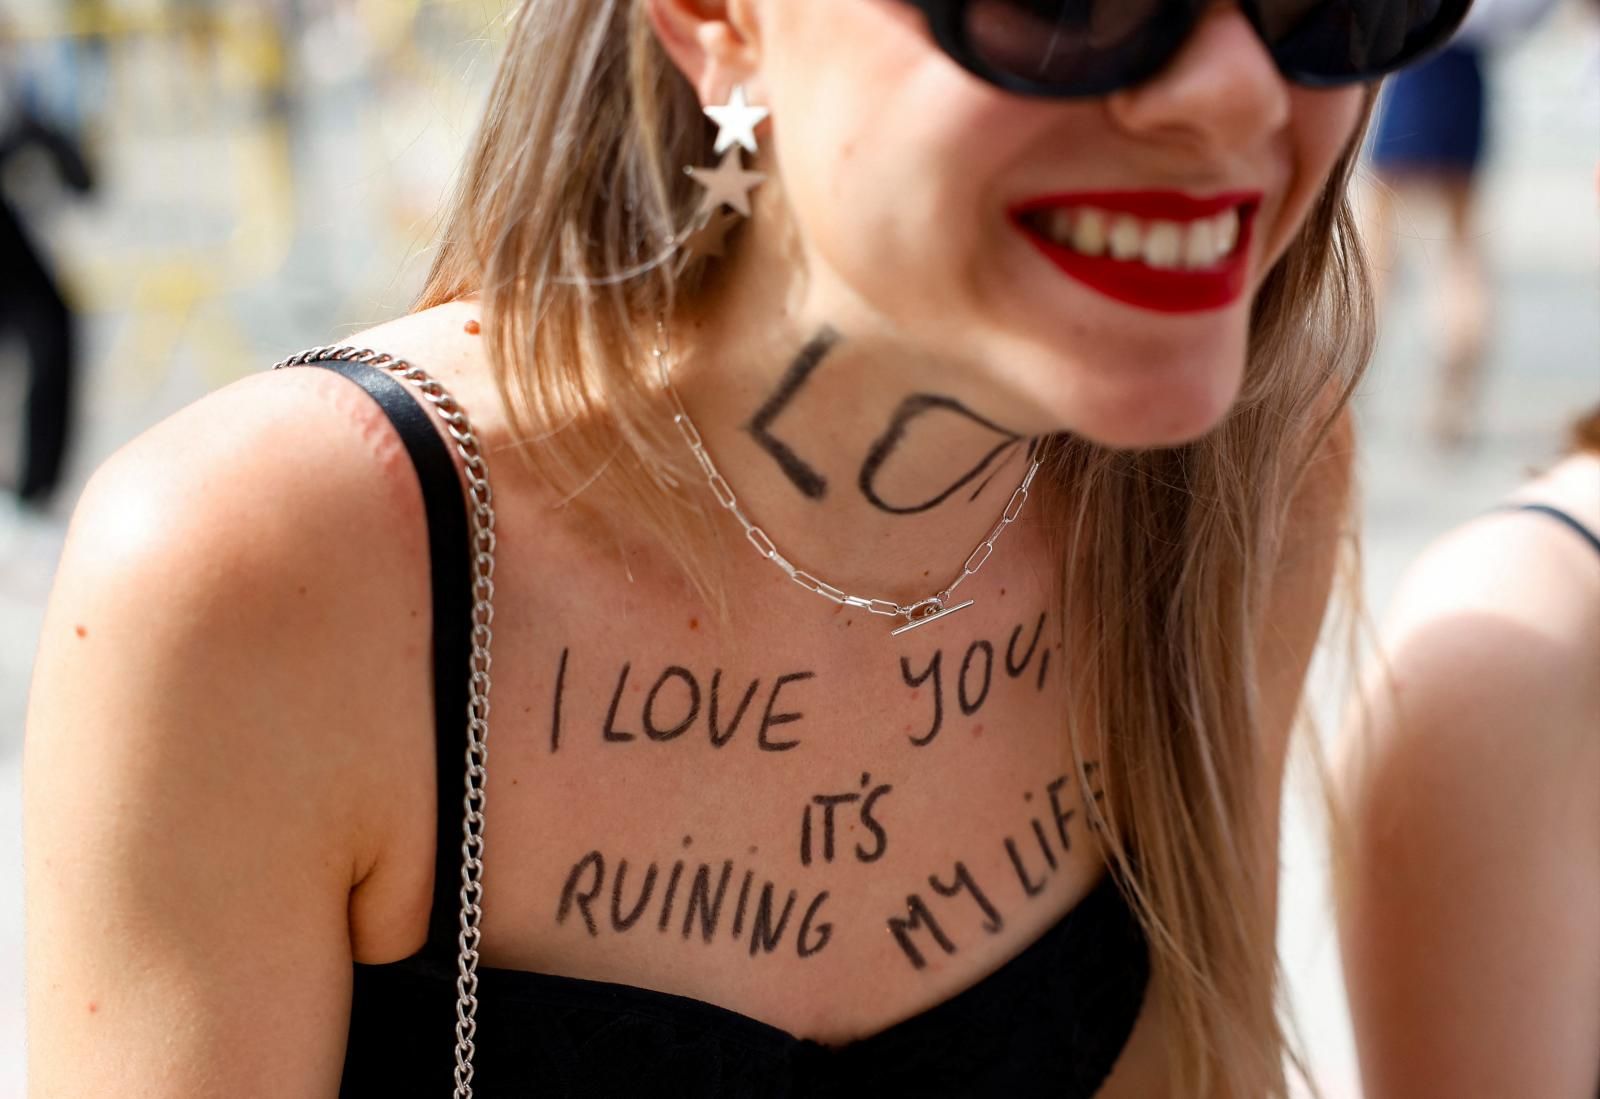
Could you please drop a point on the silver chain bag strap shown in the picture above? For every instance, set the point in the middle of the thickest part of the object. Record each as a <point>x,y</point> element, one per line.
<point>481,498</point>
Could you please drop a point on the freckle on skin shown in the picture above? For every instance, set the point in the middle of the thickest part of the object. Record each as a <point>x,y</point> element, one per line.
<point>694,623</point>
<point>687,840</point>
<point>977,730</point>
<point>302,589</point>
<point>82,631</point>
<point>472,328</point>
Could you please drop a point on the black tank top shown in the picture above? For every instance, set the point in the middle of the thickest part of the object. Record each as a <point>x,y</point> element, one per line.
<point>1051,1021</point>
<point>1559,516</point>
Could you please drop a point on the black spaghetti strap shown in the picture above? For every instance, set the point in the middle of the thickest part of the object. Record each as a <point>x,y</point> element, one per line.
<point>1561,517</point>
<point>444,501</point>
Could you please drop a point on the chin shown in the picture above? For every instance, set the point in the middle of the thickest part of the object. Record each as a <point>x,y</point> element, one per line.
<point>1152,412</point>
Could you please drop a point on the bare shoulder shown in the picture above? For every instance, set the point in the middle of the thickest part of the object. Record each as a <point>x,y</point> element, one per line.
<point>227,692</point>
<point>1470,894</point>
<point>1506,608</point>
<point>447,342</point>
<point>1492,640</point>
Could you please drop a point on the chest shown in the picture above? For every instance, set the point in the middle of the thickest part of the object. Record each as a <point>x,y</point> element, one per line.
<point>795,815</point>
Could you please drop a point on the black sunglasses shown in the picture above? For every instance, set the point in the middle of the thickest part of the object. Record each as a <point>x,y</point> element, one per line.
<point>1068,48</point>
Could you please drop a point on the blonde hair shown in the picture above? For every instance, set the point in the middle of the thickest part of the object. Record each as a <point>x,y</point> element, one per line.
<point>570,197</point>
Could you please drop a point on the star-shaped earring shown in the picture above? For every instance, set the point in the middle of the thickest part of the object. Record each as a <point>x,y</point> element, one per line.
<point>727,184</point>
<point>737,122</point>
<point>709,238</point>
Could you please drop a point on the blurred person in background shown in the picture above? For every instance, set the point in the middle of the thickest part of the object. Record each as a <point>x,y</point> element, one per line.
<point>1084,275</point>
<point>1467,851</point>
<point>32,305</point>
<point>1427,150</point>
<point>1470,868</point>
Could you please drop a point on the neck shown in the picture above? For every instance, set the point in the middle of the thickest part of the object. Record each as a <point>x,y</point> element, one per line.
<point>863,469</point>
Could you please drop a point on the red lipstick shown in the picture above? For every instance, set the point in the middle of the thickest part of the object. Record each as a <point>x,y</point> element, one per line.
<point>1134,281</point>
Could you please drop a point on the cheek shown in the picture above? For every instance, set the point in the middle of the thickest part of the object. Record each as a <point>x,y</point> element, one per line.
<point>1324,123</point>
<point>888,193</point>
<point>892,199</point>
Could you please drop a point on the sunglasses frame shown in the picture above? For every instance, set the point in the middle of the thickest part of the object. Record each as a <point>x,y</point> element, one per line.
<point>947,23</point>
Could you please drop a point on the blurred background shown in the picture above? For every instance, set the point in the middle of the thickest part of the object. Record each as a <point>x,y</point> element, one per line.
<point>192,190</point>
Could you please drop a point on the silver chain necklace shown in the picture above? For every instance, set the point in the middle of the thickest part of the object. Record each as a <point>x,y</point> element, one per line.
<point>915,614</point>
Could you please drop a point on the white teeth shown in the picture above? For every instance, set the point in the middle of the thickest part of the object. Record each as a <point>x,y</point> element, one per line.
<point>1199,248</point>
<point>1166,245</point>
<point>1225,231</point>
<point>1089,234</point>
<point>1127,238</point>
<point>1162,244</point>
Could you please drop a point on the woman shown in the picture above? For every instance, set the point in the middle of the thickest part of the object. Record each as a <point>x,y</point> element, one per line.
<point>1472,887</point>
<point>1027,847</point>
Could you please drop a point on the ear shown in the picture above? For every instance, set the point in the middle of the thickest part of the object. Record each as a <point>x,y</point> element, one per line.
<point>713,43</point>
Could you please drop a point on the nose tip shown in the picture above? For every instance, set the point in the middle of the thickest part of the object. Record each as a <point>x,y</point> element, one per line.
<point>1221,86</point>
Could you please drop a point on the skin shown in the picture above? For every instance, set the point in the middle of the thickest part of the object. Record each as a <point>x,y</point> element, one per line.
<point>1472,890</point>
<point>234,671</point>
<point>871,192</point>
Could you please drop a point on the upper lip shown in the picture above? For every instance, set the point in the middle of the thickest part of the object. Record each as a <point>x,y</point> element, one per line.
<point>1172,205</point>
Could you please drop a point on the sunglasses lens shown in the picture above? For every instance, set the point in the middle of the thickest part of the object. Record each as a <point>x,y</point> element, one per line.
<point>1090,47</point>
<point>1341,41</point>
<point>1070,46</point>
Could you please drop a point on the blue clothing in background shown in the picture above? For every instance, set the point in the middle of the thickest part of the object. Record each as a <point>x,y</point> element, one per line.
<point>1431,116</point>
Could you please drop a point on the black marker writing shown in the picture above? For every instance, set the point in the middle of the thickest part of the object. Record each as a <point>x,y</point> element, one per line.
<point>555,716</point>
<point>811,483</point>
<point>1015,667</point>
<point>657,732</point>
<point>769,921</point>
<point>911,409</point>
<point>719,737</point>
<point>964,882</point>
<point>970,703</point>
<point>1054,840</point>
<point>932,671</point>
<point>618,920</point>
<point>769,719</point>
<point>828,803</point>
<point>975,680</point>
<point>918,915</point>
<point>676,702</point>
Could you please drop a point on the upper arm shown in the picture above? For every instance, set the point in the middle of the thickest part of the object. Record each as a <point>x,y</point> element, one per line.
<point>1470,891</point>
<point>193,784</point>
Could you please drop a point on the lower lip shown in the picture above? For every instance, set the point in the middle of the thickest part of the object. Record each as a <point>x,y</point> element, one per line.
<point>1161,291</point>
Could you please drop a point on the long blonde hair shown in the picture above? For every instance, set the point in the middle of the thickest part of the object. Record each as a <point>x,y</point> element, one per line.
<point>570,197</point>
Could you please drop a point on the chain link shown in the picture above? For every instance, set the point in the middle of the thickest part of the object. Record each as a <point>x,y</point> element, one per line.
<point>764,544</point>
<point>483,545</point>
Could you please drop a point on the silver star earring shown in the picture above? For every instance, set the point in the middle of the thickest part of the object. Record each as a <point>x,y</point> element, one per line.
<point>729,184</point>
